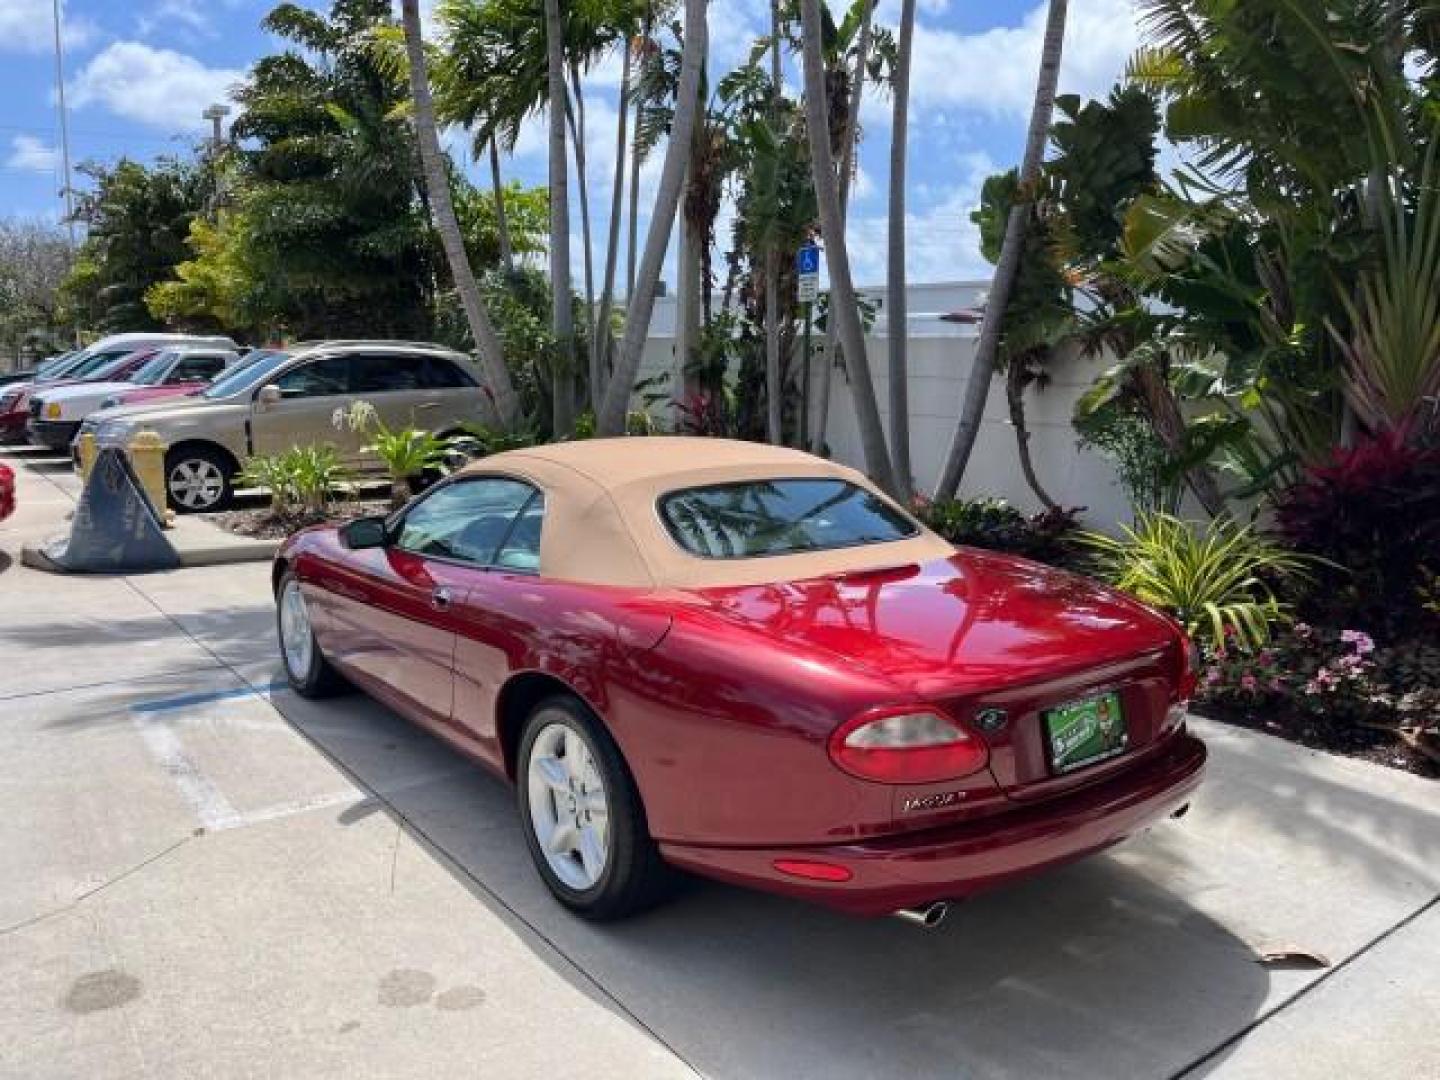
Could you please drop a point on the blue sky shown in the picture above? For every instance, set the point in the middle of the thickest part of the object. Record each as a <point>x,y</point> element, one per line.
<point>139,73</point>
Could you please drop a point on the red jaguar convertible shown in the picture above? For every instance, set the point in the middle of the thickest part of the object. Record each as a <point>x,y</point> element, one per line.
<point>749,663</point>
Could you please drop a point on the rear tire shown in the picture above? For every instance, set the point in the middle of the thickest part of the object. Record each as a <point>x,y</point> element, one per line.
<point>198,479</point>
<point>309,673</point>
<point>584,822</point>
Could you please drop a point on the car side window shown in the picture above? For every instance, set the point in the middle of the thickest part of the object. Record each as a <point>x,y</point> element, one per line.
<point>196,368</point>
<point>321,377</point>
<point>378,373</point>
<point>467,520</point>
<point>521,549</point>
<point>437,373</point>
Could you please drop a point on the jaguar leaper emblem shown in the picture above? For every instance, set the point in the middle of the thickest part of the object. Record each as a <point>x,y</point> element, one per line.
<point>991,720</point>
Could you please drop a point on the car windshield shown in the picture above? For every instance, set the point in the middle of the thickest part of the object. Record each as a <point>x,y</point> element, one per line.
<point>153,370</point>
<point>69,366</point>
<point>756,518</point>
<point>246,374</point>
<point>54,363</point>
<point>100,364</point>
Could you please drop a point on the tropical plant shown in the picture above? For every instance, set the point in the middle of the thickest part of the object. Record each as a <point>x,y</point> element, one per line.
<point>611,412</point>
<point>1049,536</point>
<point>898,369</point>
<point>500,391</point>
<point>302,480</point>
<point>837,259</point>
<point>1221,580</point>
<point>982,368</point>
<point>275,473</point>
<point>1373,512</point>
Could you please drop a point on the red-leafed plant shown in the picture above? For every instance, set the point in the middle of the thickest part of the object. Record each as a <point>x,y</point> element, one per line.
<point>1374,510</point>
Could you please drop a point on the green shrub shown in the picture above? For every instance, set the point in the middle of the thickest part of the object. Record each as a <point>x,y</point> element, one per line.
<point>1049,536</point>
<point>1219,580</point>
<point>304,478</point>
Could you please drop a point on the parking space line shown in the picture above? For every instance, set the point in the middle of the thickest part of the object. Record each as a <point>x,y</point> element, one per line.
<point>179,702</point>
<point>208,801</point>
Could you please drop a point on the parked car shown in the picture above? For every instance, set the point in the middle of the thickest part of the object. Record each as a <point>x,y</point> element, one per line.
<point>176,386</point>
<point>30,374</point>
<point>287,398</point>
<point>7,492</point>
<point>55,414</point>
<point>749,663</point>
<point>98,361</point>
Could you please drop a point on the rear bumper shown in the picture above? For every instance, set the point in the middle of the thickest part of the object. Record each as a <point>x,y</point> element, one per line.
<point>956,861</point>
<point>56,434</point>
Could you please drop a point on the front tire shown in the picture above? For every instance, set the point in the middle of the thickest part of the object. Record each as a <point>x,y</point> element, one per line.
<point>584,822</point>
<point>198,479</point>
<point>309,673</point>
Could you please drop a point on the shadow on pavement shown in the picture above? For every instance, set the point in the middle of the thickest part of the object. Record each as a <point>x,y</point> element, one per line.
<point>1095,970</point>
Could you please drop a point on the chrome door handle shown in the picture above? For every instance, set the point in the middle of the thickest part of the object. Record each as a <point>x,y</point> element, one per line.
<point>441,599</point>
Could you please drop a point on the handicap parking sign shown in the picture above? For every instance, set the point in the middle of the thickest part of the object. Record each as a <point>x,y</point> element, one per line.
<point>807,260</point>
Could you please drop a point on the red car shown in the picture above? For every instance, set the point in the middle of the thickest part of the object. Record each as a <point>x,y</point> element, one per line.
<point>15,407</point>
<point>7,492</point>
<point>749,663</point>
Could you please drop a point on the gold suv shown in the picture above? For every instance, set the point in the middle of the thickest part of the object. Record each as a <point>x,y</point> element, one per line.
<point>278,399</point>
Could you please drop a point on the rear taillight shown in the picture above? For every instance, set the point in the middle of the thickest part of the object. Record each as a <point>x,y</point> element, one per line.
<point>907,746</point>
<point>1190,664</point>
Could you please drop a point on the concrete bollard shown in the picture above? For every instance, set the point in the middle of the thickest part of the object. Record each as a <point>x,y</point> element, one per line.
<point>147,457</point>
<point>87,454</point>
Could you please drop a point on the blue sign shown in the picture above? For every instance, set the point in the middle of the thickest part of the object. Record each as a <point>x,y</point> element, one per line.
<point>807,260</point>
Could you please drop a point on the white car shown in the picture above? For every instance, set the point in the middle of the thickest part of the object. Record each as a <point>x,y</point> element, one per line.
<point>56,415</point>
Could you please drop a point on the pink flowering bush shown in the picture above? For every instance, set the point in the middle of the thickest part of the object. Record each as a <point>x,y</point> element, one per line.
<point>1320,672</point>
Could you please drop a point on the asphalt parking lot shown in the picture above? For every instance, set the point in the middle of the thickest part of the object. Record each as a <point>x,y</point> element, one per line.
<point>208,876</point>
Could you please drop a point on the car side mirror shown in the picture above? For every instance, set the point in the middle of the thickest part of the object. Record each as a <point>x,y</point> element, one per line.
<point>269,395</point>
<point>366,532</point>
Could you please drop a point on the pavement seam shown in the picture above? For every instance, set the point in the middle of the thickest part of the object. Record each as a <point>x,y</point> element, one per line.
<point>1240,1036</point>
<point>88,893</point>
<point>107,682</point>
<point>430,843</point>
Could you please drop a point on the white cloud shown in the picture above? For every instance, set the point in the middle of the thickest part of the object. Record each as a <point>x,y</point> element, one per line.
<point>32,155</point>
<point>993,71</point>
<point>941,242</point>
<point>160,87</point>
<point>167,17</point>
<point>29,26</point>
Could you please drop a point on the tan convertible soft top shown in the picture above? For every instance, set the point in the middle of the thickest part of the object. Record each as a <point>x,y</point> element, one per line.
<point>603,526</point>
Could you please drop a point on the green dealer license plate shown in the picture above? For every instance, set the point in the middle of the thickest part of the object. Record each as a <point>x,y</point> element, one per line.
<point>1084,732</point>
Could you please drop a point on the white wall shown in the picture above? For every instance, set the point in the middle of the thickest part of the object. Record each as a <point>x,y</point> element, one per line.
<point>940,356</point>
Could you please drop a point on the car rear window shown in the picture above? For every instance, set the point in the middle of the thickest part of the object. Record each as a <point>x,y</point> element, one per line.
<point>755,518</point>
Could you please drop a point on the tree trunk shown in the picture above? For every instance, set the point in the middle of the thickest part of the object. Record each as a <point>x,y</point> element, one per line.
<point>897,315</point>
<point>600,341</point>
<point>610,418</point>
<point>437,185</point>
<point>1015,398</point>
<point>833,349</point>
<point>562,317</point>
<point>774,404</point>
<point>502,223</point>
<point>977,389</point>
<point>1169,426</point>
<point>843,309</point>
<point>687,288</point>
<point>577,134</point>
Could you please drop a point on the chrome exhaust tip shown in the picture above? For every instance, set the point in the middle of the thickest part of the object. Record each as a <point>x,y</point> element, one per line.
<point>928,917</point>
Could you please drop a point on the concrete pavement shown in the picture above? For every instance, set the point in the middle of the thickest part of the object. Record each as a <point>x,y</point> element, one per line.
<point>208,876</point>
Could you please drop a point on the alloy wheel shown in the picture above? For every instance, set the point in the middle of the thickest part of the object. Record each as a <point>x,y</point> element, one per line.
<point>296,640</point>
<point>196,484</point>
<point>569,811</point>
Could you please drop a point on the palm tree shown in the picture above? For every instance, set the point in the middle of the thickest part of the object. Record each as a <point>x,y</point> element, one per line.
<point>437,186</point>
<point>848,142</point>
<point>610,417</point>
<point>774,405</point>
<point>600,338</point>
<point>977,389</point>
<point>562,314</point>
<point>843,307</point>
<point>502,223</point>
<point>899,371</point>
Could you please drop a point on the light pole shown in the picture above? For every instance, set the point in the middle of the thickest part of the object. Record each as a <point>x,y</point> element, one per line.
<point>64,126</point>
<point>215,114</point>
